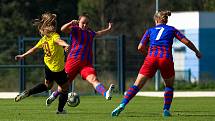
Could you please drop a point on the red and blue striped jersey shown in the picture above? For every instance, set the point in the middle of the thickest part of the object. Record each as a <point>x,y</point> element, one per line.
<point>160,40</point>
<point>81,42</point>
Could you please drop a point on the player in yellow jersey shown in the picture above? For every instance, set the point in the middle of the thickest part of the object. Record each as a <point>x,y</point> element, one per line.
<point>53,59</point>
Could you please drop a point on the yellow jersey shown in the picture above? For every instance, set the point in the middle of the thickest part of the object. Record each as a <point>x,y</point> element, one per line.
<point>54,56</point>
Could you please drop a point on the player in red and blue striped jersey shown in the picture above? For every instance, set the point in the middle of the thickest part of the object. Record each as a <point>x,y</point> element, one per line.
<point>79,59</point>
<point>158,56</point>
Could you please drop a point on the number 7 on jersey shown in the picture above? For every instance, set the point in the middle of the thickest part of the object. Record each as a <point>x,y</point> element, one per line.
<point>159,33</point>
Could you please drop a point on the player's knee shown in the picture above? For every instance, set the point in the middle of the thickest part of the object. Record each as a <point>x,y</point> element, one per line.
<point>92,79</point>
<point>169,82</point>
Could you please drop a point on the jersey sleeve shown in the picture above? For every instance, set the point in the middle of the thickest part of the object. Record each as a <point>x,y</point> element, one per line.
<point>39,44</point>
<point>93,33</point>
<point>145,39</point>
<point>55,36</point>
<point>178,34</point>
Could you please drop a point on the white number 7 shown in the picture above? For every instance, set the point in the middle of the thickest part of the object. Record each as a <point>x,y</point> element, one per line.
<point>159,33</point>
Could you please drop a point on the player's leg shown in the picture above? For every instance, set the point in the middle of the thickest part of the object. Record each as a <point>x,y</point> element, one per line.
<point>99,87</point>
<point>49,75</point>
<point>167,71</point>
<point>36,89</point>
<point>146,72</point>
<point>88,73</point>
<point>168,95</point>
<point>53,96</point>
<point>131,92</point>
<point>57,92</point>
<point>72,69</point>
<point>63,96</point>
<point>62,101</point>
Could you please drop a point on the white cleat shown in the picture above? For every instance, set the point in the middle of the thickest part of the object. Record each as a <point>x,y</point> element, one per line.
<point>50,99</point>
<point>109,92</point>
<point>21,96</point>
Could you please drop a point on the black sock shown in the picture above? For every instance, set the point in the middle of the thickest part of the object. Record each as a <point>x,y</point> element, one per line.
<point>38,89</point>
<point>62,101</point>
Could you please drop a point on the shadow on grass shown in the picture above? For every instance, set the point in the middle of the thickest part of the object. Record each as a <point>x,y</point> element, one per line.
<point>196,113</point>
<point>140,114</point>
<point>184,111</point>
<point>199,115</point>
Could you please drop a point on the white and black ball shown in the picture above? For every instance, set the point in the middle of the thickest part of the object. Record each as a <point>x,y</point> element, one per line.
<point>73,99</point>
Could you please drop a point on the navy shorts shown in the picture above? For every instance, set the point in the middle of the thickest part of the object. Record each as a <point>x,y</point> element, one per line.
<point>59,77</point>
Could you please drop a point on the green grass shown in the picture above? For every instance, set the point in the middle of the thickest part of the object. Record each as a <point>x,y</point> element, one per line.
<point>96,108</point>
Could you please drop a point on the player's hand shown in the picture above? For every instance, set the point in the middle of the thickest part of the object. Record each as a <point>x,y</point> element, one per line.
<point>19,57</point>
<point>110,25</point>
<point>198,55</point>
<point>66,49</point>
<point>74,22</point>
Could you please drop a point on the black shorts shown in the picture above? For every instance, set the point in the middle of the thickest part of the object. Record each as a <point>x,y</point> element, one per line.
<point>59,77</point>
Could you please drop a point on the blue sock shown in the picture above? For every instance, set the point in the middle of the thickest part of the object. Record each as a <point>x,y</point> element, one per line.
<point>131,92</point>
<point>101,89</point>
<point>168,96</point>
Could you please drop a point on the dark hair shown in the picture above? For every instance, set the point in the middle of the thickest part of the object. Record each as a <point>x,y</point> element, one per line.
<point>84,14</point>
<point>162,16</point>
<point>46,24</point>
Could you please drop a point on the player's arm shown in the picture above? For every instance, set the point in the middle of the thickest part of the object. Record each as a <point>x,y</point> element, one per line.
<point>30,51</point>
<point>62,43</point>
<point>143,49</point>
<point>104,31</point>
<point>190,45</point>
<point>143,46</point>
<point>66,28</point>
<point>187,42</point>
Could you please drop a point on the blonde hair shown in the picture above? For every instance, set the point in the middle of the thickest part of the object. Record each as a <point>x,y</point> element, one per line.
<point>46,24</point>
<point>162,16</point>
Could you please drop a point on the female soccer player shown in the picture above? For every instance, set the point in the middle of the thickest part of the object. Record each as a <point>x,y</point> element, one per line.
<point>53,58</point>
<point>79,59</point>
<point>159,56</point>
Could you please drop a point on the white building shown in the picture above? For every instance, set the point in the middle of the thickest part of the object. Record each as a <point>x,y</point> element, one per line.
<point>199,27</point>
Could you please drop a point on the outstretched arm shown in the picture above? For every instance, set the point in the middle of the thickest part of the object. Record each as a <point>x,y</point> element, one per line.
<point>104,31</point>
<point>62,43</point>
<point>66,28</point>
<point>189,44</point>
<point>30,51</point>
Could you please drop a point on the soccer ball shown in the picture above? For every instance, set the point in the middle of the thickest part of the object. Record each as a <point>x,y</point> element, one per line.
<point>73,99</point>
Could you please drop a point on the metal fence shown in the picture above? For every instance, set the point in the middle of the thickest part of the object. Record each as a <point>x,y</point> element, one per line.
<point>115,59</point>
<point>28,66</point>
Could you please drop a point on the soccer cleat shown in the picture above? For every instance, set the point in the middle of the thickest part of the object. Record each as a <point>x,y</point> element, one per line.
<point>61,112</point>
<point>118,110</point>
<point>166,113</point>
<point>50,99</point>
<point>21,96</point>
<point>109,92</point>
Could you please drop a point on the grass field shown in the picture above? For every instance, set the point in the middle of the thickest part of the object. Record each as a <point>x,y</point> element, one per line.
<point>95,108</point>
